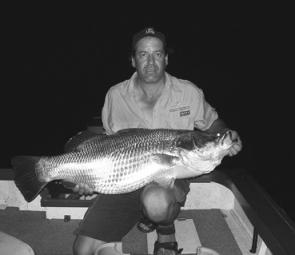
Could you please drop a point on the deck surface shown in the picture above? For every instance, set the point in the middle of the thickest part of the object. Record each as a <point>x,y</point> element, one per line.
<point>55,237</point>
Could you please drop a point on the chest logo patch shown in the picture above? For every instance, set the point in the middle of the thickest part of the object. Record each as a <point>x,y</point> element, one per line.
<point>184,113</point>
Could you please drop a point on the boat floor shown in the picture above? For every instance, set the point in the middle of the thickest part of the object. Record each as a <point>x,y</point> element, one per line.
<point>212,228</point>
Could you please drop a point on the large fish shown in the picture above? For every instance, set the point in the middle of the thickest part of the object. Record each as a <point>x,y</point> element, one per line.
<point>125,161</point>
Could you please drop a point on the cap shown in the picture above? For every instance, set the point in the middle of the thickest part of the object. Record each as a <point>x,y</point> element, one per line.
<point>149,31</point>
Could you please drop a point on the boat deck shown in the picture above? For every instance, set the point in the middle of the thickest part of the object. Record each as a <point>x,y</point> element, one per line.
<point>209,228</point>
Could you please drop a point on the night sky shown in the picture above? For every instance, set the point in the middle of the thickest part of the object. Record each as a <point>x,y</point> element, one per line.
<point>59,63</point>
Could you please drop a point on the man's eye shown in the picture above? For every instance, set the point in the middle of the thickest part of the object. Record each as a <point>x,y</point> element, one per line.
<point>142,54</point>
<point>159,55</point>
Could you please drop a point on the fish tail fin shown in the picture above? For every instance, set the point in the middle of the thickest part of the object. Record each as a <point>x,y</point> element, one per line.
<point>26,178</point>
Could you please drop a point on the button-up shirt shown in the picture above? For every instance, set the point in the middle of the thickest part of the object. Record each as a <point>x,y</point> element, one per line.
<point>181,105</point>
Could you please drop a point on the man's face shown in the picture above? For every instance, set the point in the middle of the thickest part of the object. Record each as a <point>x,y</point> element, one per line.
<point>150,60</point>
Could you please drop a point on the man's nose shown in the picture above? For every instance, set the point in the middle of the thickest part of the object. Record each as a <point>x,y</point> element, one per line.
<point>151,58</point>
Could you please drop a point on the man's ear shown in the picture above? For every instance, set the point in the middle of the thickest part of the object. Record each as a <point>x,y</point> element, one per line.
<point>166,60</point>
<point>132,62</point>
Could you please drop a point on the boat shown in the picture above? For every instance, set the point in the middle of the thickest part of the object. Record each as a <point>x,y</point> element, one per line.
<point>226,211</point>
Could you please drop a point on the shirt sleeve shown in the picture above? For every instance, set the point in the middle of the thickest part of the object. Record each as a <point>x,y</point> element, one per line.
<point>205,113</point>
<point>106,117</point>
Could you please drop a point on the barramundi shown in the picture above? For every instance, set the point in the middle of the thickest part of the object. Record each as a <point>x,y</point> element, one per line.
<point>125,161</point>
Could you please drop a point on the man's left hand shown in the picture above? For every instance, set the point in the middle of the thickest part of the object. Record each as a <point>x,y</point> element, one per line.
<point>237,143</point>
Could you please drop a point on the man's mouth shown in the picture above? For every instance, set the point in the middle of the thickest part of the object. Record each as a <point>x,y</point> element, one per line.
<point>150,69</point>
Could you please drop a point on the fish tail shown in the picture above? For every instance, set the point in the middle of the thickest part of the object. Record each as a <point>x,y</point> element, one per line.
<point>26,178</point>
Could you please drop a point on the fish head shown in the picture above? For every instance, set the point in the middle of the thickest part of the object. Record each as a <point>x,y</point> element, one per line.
<point>212,146</point>
<point>201,152</point>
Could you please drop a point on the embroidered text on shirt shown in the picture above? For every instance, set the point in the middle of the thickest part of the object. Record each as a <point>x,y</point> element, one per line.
<point>184,113</point>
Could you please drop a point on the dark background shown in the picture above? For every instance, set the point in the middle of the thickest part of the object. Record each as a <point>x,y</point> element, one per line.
<point>59,62</point>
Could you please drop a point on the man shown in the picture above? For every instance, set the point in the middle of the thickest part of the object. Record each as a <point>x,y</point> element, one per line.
<point>151,98</point>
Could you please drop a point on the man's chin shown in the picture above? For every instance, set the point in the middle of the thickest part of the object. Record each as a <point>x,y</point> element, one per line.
<point>151,78</point>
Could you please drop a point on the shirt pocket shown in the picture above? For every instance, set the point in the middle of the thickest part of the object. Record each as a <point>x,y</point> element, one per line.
<point>181,119</point>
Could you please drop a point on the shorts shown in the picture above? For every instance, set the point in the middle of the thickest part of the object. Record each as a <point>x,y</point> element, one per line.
<point>111,217</point>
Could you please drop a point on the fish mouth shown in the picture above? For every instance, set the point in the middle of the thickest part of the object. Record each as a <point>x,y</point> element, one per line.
<point>225,139</point>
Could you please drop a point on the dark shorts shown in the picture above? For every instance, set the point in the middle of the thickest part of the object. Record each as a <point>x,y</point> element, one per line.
<point>111,217</point>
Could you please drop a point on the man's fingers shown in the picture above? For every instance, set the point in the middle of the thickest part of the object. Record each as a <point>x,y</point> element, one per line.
<point>82,189</point>
<point>90,191</point>
<point>76,188</point>
<point>234,149</point>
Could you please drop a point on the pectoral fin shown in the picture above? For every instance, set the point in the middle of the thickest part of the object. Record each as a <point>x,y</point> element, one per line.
<point>164,159</point>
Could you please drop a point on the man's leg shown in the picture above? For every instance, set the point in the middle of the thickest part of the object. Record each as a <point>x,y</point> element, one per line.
<point>107,221</point>
<point>162,206</point>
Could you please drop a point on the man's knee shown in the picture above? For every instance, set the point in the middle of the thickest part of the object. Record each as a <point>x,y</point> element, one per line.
<point>159,203</point>
<point>85,245</point>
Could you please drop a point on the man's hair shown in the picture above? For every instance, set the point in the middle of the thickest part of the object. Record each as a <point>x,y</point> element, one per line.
<point>149,31</point>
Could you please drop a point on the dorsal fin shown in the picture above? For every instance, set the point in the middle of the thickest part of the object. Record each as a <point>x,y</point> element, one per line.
<point>82,138</point>
<point>82,145</point>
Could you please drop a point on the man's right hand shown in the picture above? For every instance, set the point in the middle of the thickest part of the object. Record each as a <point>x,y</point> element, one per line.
<point>83,189</point>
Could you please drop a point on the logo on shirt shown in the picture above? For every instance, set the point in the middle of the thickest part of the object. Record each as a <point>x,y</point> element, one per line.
<point>183,110</point>
<point>184,113</point>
